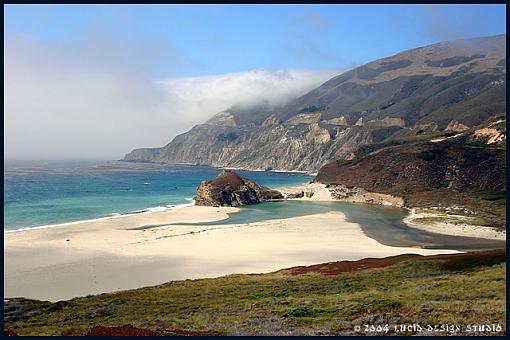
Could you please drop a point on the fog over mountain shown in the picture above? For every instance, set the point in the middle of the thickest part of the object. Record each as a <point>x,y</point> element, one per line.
<point>58,106</point>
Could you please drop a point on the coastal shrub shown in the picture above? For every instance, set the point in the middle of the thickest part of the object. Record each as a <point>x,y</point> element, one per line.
<point>470,262</point>
<point>492,195</point>
<point>312,108</point>
<point>228,137</point>
<point>378,301</point>
<point>74,331</point>
<point>304,311</point>
<point>426,156</point>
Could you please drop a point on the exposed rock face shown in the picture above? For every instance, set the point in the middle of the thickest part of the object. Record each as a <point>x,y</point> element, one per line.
<point>230,189</point>
<point>359,195</point>
<point>339,192</point>
<point>277,147</point>
<point>310,191</point>
<point>492,135</point>
<point>416,92</point>
<point>350,156</point>
<point>455,126</point>
<point>336,121</point>
<point>224,118</point>
<point>387,122</point>
<point>297,194</point>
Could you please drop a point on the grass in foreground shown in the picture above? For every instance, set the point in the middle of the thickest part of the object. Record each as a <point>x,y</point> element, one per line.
<point>460,290</point>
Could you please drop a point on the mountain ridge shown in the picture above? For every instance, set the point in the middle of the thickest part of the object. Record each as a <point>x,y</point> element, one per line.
<point>424,91</point>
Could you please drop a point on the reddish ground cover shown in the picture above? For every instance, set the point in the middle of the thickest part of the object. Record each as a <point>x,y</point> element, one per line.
<point>9,332</point>
<point>338,267</point>
<point>129,330</point>
<point>451,262</point>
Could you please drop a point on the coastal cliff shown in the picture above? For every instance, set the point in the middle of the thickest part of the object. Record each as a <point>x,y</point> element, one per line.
<point>230,189</point>
<point>424,93</point>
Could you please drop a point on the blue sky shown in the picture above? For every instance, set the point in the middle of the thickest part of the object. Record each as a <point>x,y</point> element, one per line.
<point>199,40</point>
<point>93,81</point>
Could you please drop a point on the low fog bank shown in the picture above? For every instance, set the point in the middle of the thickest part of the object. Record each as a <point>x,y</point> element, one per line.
<point>59,106</point>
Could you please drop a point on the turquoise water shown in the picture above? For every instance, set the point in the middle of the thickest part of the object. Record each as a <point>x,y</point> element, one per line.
<point>45,193</point>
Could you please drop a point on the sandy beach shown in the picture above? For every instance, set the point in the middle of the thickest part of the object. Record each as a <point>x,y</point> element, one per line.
<point>107,255</point>
<point>448,228</point>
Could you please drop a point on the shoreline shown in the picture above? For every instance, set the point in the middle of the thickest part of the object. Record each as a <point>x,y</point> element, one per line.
<point>104,218</point>
<point>106,256</point>
<point>320,192</point>
<point>149,209</point>
<point>304,172</point>
<point>113,253</point>
<point>308,172</point>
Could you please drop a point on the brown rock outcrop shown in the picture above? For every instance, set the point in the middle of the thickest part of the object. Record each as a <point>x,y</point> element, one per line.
<point>359,195</point>
<point>490,135</point>
<point>230,189</point>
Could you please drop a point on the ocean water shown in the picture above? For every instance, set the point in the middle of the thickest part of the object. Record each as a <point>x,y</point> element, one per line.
<point>38,193</point>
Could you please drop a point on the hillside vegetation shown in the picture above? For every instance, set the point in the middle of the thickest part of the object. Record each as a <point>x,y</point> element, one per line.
<point>329,299</point>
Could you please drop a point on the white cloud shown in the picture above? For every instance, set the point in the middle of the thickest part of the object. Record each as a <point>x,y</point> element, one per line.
<point>67,105</point>
<point>201,97</point>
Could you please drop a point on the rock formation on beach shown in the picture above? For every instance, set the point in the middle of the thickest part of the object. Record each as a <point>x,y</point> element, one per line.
<point>230,189</point>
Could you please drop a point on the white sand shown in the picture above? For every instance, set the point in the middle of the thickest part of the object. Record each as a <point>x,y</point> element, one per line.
<point>449,228</point>
<point>104,256</point>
